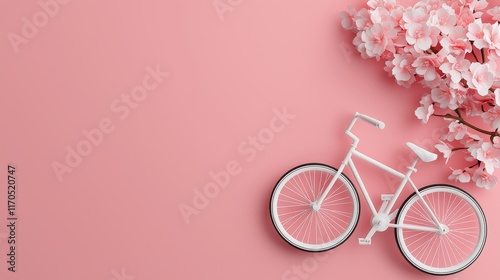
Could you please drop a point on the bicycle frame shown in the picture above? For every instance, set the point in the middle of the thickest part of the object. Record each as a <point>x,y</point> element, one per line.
<point>382,218</point>
<point>439,229</point>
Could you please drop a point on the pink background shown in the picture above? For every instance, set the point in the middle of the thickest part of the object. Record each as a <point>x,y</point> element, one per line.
<point>117,213</point>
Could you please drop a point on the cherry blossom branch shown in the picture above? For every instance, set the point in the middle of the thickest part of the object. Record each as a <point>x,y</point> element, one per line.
<point>475,56</point>
<point>461,120</point>
<point>474,165</point>
<point>425,46</point>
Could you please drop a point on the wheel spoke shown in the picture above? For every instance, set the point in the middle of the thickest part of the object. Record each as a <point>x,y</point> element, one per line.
<point>342,213</point>
<point>449,210</point>
<point>299,189</point>
<point>302,226</point>
<point>293,201</point>
<point>307,186</point>
<point>457,212</point>
<point>459,221</point>
<point>331,223</point>
<point>449,252</point>
<point>457,249</point>
<point>293,217</point>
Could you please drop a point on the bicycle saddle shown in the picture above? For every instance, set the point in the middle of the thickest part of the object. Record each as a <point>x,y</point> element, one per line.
<point>423,154</point>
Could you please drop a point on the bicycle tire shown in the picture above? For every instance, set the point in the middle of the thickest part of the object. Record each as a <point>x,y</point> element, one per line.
<point>452,251</point>
<point>341,207</point>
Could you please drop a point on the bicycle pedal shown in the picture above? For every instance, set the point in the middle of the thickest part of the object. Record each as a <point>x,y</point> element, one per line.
<point>364,241</point>
<point>386,197</point>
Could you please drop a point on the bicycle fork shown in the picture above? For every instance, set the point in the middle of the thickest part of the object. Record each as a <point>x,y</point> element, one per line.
<point>316,205</point>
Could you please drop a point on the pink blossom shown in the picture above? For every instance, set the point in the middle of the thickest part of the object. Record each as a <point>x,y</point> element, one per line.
<point>465,17</point>
<point>426,110</point>
<point>456,41</point>
<point>426,66</point>
<point>400,41</point>
<point>421,36</point>
<point>487,154</point>
<point>381,15</point>
<point>476,34</point>
<point>446,149</point>
<point>444,19</point>
<point>467,105</point>
<point>360,45</point>
<point>415,16</point>
<point>457,131</point>
<point>469,141</point>
<point>492,117</point>
<point>397,15</point>
<point>362,19</point>
<point>460,175</point>
<point>480,77</point>
<point>495,13</point>
<point>492,36</point>
<point>494,60</point>
<point>378,39</point>
<point>470,138</point>
<point>455,66</point>
<point>459,91</point>
<point>348,18</point>
<point>483,179</point>
<point>403,70</point>
<point>497,96</point>
<point>386,4</point>
<point>387,55</point>
<point>496,142</point>
<point>433,5</point>
<point>430,84</point>
<point>478,5</point>
<point>493,57</point>
<point>444,97</point>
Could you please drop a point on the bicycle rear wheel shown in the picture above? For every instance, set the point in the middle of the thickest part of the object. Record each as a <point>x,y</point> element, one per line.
<point>305,228</point>
<point>448,252</point>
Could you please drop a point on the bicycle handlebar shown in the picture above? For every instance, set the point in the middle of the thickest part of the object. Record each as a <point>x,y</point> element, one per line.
<point>371,120</point>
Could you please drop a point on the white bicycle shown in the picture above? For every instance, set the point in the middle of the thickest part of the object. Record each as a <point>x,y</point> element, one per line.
<point>440,229</point>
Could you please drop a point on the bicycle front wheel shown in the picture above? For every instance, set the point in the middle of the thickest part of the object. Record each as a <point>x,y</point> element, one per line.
<point>450,251</point>
<point>308,229</point>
